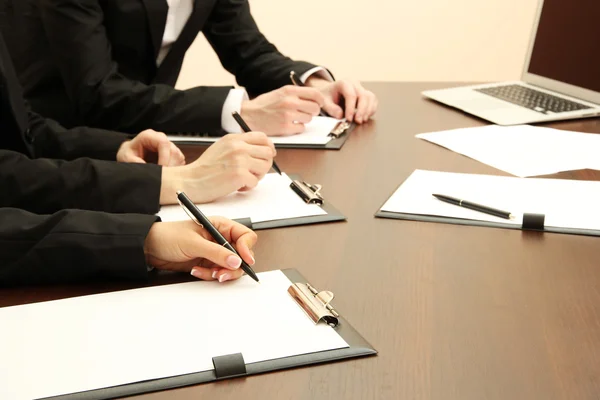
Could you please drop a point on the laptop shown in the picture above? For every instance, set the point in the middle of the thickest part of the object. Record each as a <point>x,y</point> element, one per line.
<point>561,75</point>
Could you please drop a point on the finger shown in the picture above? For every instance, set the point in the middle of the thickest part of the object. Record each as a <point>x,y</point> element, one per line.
<point>248,180</point>
<point>164,153</point>
<point>203,273</point>
<point>256,138</point>
<point>199,247</point>
<point>156,142</point>
<point>240,237</point>
<point>259,168</point>
<point>224,275</point>
<point>296,116</point>
<point>362,108</point>
<point>131,158</point>
<point>177,157</point>
<point>348,92</point>
<point>292,128</point>
<point>261,152</point>
<point>333,109</point>
<point>305,93</point>
<point>304,106</point>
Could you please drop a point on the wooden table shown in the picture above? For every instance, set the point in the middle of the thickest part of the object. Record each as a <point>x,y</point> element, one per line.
<point>455,312</point>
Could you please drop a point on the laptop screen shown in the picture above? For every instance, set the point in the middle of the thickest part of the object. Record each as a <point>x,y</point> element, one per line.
<point>567,44</point>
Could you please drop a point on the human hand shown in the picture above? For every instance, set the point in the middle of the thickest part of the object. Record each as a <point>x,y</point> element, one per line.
<point>359,103</point>
<point>234,162</point>
<point>186,247</point>
<point>137,149</point>
<point>283,112</point>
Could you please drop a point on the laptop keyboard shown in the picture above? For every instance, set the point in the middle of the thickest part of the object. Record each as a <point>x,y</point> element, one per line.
<point>533,99</point>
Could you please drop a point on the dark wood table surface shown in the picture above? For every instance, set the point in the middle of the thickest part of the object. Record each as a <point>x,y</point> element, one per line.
<point>456,312</point>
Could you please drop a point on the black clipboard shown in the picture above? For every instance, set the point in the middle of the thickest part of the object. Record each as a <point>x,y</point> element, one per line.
<point>334,144</point>
<point>358,347</point>
<point>531,222</point>
<point>333,214</point>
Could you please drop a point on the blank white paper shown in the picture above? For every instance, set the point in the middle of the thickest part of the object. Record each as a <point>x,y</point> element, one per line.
<point>316,132</point>
<point>272,199</point>
<point>522,150</point>
<point>566,203</point>
<point>85,343</point>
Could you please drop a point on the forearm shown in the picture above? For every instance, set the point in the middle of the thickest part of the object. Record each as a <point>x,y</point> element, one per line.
<point>45,186</point>
<point>70,246</point>
<point>245,52</point>
<point>54,141</point>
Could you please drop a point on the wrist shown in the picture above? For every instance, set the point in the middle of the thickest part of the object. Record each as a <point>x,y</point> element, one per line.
<point>317,82</point>
<point>247,113</point>
<point>171,182</point>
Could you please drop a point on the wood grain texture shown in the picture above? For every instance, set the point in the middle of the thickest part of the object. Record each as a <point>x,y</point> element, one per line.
<point>456,312</point>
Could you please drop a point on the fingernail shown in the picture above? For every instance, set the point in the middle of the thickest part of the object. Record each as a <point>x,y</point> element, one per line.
<point>253,260</point>
<point>214,274</point>
<point>224,277</point>
<point>195,273</point>
<point>234,261</point>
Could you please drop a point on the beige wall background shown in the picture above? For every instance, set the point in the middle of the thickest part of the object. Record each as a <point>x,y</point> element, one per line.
<point>387,40</point>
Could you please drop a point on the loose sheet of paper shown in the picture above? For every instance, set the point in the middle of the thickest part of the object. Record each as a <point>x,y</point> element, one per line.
<point>271,200</point>
<point>566,203</point>
<point>316,132</point>
<point>85,343</point>
<point>522,150</point>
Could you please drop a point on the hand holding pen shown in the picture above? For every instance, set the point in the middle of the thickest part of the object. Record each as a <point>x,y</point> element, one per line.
<point>238,118</point>
<point>235,258</point>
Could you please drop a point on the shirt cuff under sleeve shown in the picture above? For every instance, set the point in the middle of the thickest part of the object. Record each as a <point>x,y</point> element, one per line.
<point>321,73</point>
<point>233,102</point>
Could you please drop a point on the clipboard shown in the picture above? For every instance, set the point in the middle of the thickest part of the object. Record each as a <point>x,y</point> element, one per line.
<point>231,366</point>
<point>339,135</point>
<point>532,221</point>
<point>310,193</point>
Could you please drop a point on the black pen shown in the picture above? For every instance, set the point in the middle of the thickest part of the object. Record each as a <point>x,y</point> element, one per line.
<point>474,206</point>
<point>196,215</point>
<point>297,82</point>
<point>238,118</point>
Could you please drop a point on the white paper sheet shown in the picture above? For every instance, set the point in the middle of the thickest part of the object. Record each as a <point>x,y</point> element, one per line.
<point>523,150</point>
<point>272,199</point>
<point>316,132</point>
<point>99,341</point>
<point>566,203</point>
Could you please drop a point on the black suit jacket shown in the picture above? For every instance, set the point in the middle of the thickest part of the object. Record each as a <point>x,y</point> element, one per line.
<point>99,56</point>
<point>67,245</point>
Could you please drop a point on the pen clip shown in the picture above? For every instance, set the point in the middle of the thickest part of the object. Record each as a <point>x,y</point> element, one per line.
<point>294,79</point>
<point>189,213</point>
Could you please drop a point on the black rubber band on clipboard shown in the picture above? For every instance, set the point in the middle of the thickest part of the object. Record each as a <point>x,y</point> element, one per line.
<point>229,366</point>
<point>533,222</point>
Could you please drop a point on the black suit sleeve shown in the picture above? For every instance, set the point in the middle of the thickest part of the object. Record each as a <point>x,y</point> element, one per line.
<point>71,246</point>
<point>105,98</point>
<point>51,140</point>
<point>245,52</point>
<point>44,186</point>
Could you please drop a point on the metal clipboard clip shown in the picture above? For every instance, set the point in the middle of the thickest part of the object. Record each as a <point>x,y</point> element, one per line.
<point>311,194</point>
<point>341,128</point>
<point>314,303</point>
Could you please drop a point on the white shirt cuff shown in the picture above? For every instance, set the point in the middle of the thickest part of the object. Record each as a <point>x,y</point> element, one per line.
<point>321,73</point>
<point>233,102</point>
